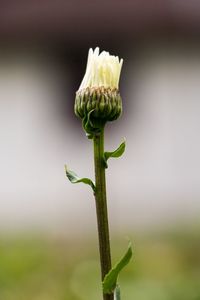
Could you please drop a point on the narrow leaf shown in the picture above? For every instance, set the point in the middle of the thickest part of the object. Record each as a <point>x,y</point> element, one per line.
<point>116,153</point>
<point>110,280</point>
<point>73,178</point>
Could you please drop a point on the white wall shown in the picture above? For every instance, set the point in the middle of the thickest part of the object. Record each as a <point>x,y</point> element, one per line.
<point>157,181</point>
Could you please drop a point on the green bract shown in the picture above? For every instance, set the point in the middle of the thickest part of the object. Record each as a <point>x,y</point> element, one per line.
<point>96,106</point>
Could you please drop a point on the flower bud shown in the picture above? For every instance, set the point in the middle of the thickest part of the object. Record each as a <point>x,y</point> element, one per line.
<point>98,99</point>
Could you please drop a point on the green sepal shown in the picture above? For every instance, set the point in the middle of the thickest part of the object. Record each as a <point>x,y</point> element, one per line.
<point>110,280</point>
<point>116,153</point>
<point>73,178</point>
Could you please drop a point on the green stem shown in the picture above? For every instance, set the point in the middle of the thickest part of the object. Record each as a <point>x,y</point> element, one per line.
<point>101,208</point>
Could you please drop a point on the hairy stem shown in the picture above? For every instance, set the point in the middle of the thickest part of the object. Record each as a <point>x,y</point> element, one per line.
<point>101,208</point>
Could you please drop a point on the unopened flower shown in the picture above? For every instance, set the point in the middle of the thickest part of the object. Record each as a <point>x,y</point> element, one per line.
<point>98,99</point>
<point>103,70</point>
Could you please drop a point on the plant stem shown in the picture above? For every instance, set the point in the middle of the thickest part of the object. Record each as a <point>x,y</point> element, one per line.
<point>101,208</point>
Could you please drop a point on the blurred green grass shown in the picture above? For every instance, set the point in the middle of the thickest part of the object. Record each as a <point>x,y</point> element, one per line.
<point>166,266</point>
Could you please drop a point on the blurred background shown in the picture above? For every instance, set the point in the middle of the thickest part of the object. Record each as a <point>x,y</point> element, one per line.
<point>48,242</point>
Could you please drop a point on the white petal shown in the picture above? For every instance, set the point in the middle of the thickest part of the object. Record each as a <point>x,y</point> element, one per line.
<point>102,69</point>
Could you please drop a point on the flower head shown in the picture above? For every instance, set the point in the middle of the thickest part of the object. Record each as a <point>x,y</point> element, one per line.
<point>98,99</point>
<point>103,70</point>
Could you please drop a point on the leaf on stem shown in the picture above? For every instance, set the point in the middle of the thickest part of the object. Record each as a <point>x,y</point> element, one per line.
<point>73,178</point>
<point>116,153</point>
<point>110,280</point>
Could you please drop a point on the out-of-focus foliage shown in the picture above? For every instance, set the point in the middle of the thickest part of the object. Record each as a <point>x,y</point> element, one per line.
<point>165,267</point>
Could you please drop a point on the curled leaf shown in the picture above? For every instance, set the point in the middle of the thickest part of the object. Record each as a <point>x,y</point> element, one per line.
<point>110,280</point>
<point>73,178</point>
<point>116,153</point>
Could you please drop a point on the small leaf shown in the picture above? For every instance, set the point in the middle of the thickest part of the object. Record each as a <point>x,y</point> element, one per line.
<point>110,280</point>
<point>73,178</point>
<point>116,153</point>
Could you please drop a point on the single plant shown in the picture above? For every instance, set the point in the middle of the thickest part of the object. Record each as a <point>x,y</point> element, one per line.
<point>97,101</point>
